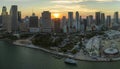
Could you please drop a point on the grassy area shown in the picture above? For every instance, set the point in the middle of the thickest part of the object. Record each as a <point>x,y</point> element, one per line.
<point>74,51</point>
<point>92,34</point>
<point>24,36</point>
<point>67,47</point>
<point>9,36</point>
<point>45,40</point>
<point>42,40</point>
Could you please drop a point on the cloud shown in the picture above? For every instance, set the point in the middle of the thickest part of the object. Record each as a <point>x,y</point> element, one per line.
<point>71,5</point>
<point>67,1</point>
<point>17,0</point>
<point>87,5</point>
<point>76,1</point>
<point>68,7</point>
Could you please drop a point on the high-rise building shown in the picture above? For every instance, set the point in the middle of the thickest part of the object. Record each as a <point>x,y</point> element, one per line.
<point>57,25</point>
<point>33,21</point>
<point>40,22</point>
<point>108,22</point>
<point>98,18</point>
<point>33,24</point>
<point>84,24</point>
<point>5,19</point>
<point>77,22</point>
<point>116,18</point>
<point>0,20</point>
<point>70,21</point>
<point>26,21</point>
<point>89,22</point>
<point>81,24</point>
<point>4,11</point>
<point>19,16</point>
<point>46,22</point>
<point>63,23</point>
<point>103,19</point>
<point>6,23</point>
<point>23,27</point>
<point>14,19</point>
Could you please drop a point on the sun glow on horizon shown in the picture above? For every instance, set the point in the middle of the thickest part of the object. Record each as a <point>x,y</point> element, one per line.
<point>56,15</point>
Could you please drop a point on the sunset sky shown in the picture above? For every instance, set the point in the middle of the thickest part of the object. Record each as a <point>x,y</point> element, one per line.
<point>85,7</point>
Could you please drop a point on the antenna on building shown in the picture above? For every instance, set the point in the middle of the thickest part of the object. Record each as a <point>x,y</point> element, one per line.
<point>33,14</point>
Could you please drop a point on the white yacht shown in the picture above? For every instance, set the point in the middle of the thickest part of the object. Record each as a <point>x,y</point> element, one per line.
<point>70,61</point>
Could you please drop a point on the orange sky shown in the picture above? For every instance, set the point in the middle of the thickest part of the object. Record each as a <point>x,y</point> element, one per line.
<point>85,7</point>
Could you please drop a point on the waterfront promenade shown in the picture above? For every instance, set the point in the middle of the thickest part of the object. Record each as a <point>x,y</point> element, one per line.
<point>79,56</point>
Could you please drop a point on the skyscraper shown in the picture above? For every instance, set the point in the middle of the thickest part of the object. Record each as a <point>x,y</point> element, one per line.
<point>84,24</point>
<point>26,21</point>
<point>4,11</point>
<point>77,21</point>
<point>0,20</point>
<point>19,16</point>
<point>89,22</point>
<point>23,27</point>
<point>46,22</point>
<point>81,24</point>
<point>33,23</point>
<point>98,18</point>
<point>14,18</point>
<point>63,22</point>
<point>108,22</point>
<point>40,22</point>
<point>8,24</point>
<point>5,19</point>
<point>57,25</point>
<point>70,21</point>
<point>116,18</point>
<point>103,19</point>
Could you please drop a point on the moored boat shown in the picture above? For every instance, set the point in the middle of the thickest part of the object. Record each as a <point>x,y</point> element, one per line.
<point>70,61</point>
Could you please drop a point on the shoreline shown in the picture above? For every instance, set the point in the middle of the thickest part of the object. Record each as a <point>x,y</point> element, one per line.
<point>17,42</point>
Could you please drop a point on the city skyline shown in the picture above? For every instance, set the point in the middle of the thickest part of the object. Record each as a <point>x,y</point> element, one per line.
<point>85,7</point>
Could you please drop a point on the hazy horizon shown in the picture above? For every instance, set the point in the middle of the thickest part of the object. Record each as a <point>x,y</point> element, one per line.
<point>85,7</point>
